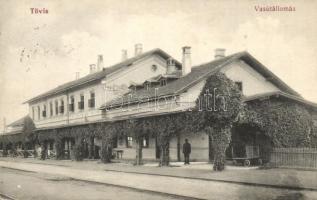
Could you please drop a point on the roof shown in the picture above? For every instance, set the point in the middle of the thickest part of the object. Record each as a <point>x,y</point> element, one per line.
<point>19,122</point>
<point>101,74</point>
<point>279,94</point>
<point>197,74</point>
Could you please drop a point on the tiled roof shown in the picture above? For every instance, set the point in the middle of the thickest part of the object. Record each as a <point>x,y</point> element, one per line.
<point>174,87</point>
<point>197,74</point>
<point>101,74</point>
<point>19,122</point>
<point>279,94</point>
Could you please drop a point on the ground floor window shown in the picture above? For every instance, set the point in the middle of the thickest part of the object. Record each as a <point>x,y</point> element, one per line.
<point>129,141</point>
<point>145,141</point>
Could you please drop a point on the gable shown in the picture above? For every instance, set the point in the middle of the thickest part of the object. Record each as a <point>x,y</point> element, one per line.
<point>117,83</point>
<point>253,82</point>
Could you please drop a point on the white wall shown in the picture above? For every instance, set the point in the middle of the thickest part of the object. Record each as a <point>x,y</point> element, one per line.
<point>117,83</point>
<point>252,82</point>
<point>85,115</point>
<point>137,73</point>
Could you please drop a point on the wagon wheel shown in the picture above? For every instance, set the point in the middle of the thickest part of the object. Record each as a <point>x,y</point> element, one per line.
<point>260,161</point>
<point>246,163</point>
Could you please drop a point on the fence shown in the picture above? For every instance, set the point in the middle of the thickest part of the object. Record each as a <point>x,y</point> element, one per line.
<point>294,157</point>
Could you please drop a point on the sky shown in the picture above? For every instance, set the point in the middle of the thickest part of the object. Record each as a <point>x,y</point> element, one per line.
<point>41,51</point>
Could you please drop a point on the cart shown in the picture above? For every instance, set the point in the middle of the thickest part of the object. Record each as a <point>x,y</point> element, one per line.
<point>246,154</point>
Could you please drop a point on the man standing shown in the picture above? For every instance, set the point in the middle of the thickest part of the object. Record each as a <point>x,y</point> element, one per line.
<point>186,151</point>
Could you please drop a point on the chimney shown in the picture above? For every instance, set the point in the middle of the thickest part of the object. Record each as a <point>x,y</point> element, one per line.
<point>171,67</point>
<point>219,53</point>
<point>100,63</point>
<point>138,49</point>
<point>124,54</point>
<point>186,62</point>
<point>92,68</point>
<point>77,75</point>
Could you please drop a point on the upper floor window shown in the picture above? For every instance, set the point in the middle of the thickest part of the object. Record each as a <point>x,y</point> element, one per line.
<point>56,107</point>
<point>38,112</point>
<point>72,104</point>
<point>61,108</point>
<point>51,109</point>
<point>81,103</point>
<point>33,114</point>
<point>44,111</point>
<point>91,101</point>
<point>239,84</point>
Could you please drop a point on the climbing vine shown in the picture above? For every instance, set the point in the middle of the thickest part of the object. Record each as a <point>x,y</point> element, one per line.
<point>288,124</point>
<point>218,106</point>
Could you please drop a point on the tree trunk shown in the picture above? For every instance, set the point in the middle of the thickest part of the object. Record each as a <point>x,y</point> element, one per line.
<point>91,148</point>
<point>178,148</point>
<point>43,151</point>
<point>58,148</point>
<point>138,148</point>
<point>106,151</point>
<point>164,160</point>
<point>220,141</point>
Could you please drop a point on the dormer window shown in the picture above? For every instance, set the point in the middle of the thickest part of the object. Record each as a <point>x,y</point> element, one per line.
<point>163,82</point>
<point>147,86</point>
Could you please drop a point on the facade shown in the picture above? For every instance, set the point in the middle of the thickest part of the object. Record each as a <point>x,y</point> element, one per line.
<point>149,84</point>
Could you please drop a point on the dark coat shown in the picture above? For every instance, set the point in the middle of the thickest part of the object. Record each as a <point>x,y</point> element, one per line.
<point>186,148</point>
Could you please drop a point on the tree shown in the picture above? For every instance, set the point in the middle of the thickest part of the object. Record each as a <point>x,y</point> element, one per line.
<point>218,107</point>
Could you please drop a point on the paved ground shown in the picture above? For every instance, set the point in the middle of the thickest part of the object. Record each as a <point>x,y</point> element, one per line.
<point>195,188</point>
<point>288,178</point>
<point>39,186</point>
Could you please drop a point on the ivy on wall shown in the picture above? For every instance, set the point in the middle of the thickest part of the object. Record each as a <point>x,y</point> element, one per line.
<point>218,107</point>
<point>288,124</point>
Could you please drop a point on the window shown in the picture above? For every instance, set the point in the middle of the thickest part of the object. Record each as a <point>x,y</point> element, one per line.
<point>147,86</point>
<point>51,145</point>
<point>44,111</point>
<point>239,84</point>
<point>61,108</point>
<point>91,101</point>
<point>163,82</point>
<point>129,141</point>
<point>38,112</point>
<point>72,104</point>
<point>154,68</point>
<point>81,103</point>
<point>145,142</point>
<point>115,142</point>
<point>33,114</point>
<point>56,107</point>
<point>51,109</point>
